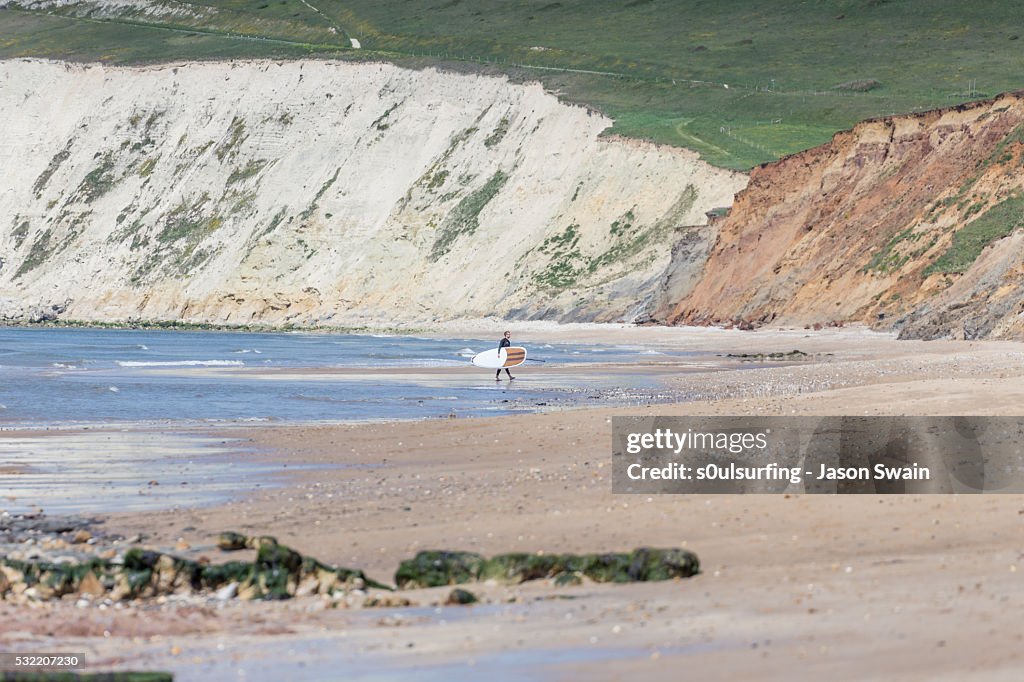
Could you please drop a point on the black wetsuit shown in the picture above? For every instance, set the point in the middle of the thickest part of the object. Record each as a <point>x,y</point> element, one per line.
<point>504,343</point>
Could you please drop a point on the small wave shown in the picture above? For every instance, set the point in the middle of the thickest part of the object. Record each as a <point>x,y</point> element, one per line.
<point>318,398</point>
<point>428,398</point>
<point>182,363</point>
<point>465,352</point>
<point>248,350</point>
<point>114,389</point>
<point>404,364</point>
<point>651,352</point>
<point>142,346</point>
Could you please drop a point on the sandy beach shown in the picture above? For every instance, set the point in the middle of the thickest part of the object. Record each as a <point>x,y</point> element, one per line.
<point>853,587</point>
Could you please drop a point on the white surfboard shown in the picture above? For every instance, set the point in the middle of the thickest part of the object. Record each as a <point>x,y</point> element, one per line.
<point>499,358</point>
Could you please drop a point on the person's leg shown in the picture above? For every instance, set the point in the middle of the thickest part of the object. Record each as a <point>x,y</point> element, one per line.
<point>497,375</point>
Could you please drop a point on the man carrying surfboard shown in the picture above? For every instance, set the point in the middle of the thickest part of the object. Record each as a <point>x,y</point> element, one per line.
<point>505,342</point>
<point>505,356</point>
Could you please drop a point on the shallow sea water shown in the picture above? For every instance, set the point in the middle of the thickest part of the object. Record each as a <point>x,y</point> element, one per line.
<point>55,377</point>
<point>98,421</point>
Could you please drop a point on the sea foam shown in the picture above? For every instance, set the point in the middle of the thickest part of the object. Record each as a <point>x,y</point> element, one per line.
<point>182,363</point>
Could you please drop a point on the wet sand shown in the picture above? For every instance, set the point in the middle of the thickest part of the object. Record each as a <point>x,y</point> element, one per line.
<point>104,470</point>
<point>852,587</point>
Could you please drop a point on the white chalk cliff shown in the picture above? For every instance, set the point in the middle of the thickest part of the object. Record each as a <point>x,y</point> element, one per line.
<point>327,193</point>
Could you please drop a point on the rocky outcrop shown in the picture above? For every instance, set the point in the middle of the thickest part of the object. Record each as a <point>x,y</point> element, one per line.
<point>318,193</point>
<point>905,222</point>
<point>437,568</point>
<point>986,301</point>
<point>277,572</point>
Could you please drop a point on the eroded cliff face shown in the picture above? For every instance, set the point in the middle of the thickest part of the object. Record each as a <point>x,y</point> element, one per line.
<point>905,222</point>
<point>322,193</point>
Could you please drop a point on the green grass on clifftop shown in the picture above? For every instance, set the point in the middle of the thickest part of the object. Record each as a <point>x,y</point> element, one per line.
<point>796,71</point>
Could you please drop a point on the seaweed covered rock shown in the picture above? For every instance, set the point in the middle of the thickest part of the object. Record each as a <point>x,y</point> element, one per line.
<point>652,565</point>
<point>461,597</point>
<point>641,565</point>
<point>437,568</point>
<point>519,567</point>
<point>230,541</point>
<point>777,355</point>
<point>278,572</point>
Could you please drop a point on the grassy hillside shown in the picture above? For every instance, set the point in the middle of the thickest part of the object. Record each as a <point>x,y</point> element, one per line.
<point>796,70</point>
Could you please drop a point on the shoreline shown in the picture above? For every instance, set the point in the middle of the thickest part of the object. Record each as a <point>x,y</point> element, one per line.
<point>178,325</point>
<point>435,328</point>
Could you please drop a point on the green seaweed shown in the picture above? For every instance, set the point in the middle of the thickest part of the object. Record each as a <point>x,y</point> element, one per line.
<point>274,574</point>
<point>226,573</point>
<point>436,568</point>
<point>273,567</point>
<point>520,567</point>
